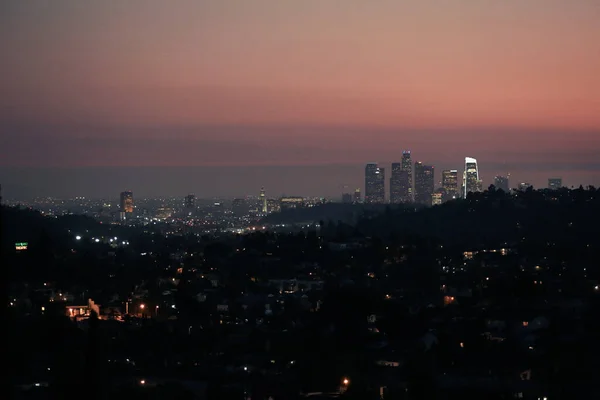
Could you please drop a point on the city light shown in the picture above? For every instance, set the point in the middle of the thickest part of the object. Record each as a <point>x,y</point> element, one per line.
<point>77,237</point>
<point>346,381</point>
<point>142,306</point>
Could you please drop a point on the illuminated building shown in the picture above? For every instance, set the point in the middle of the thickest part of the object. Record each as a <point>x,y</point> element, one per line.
<point>523,186</point>
<point>502,182</point>
<point>374,184</point>
<point>471,181</point>
<point>126,202</point>
<point>400,186</point>
<point>555,183</point>
<point>357,197</point>
<point>424,183</point>
<point>450,184</point>
<point>436,198</point>
<point>163,213</point>
<point>263,200</point>
<point>291,202</point>
<point>407,167</point>
<point>273,205</point>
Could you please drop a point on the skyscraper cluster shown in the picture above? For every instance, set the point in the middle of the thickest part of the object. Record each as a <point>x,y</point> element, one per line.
<point>415,182</point>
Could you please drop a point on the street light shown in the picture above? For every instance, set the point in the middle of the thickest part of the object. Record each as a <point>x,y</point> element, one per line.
<point>77,237</point>
<point>142,306</point>
<point>344,385</point>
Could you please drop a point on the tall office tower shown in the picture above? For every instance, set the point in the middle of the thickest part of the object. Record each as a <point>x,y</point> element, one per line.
<point>471,181</point>
<point>400,185</point>
<point>523,186</point>
<point>357,197</point>
<point>190,201</point>
<point>450,184</point>
<point>126,202</point>
<point>263,200</point>
<point>555,183</point>
<point>501,182</point>
<point>395,190</point>
<point>424,183</point>
<point>374,184</point>
<point>408,168</point>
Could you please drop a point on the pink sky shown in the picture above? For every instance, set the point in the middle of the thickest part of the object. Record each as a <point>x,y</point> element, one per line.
<point>311,81</point>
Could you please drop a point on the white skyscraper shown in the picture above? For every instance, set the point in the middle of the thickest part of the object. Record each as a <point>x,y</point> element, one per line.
<point>471,181</point>
<point>263,200</point>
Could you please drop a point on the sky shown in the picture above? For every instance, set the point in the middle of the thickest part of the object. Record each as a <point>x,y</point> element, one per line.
<point>123,87</point>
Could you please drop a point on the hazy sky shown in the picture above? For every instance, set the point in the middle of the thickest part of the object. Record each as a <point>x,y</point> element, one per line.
<point>301,82</point>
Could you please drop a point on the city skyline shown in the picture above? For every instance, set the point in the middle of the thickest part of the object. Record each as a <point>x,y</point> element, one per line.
<point>227,199</point>
<point>24,183</point>
<point>303,83</point>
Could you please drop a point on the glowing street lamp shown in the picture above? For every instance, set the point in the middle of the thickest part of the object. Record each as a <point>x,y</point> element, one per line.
<point>344,385</point>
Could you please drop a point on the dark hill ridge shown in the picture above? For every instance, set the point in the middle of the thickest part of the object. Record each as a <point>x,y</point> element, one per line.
<point>492,218</point>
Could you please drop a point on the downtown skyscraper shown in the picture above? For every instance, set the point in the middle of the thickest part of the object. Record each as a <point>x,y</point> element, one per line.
<point>407,167</point>
<point>555,183</point>
<point>126,203</point>
<point>374,184</point>
<point>400,185</point>
<point>502,182</point>
<point>450,184</point>
<point>424,183</point>
<point>471,181</point>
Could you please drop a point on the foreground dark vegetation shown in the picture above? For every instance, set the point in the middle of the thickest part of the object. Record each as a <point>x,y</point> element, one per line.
<point>455,301</point>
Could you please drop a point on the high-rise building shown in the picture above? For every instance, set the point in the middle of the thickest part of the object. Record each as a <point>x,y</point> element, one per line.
<point>408,168</point>
<point>400,186</point>
<point>126,203</point>
<point>374,184</point>
<point>289,202</point>
<point>273,205</point>
<point>471,181</point>
<point>501,182</point>
<point>555,183</point>
<point>395,184</point>
<point>450,184</point>
<point>523,186</point>
<point>190,201</point>
<point>263,201</point>
<point>357,197</point>
<point>424,183</point>
<point>437,197</point>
